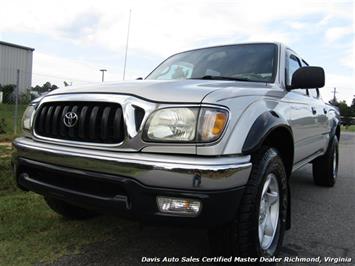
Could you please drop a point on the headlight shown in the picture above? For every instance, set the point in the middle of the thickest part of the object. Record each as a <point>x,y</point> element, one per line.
<point>185,125</point>
<point>172,124</point>
<point>27,117</point>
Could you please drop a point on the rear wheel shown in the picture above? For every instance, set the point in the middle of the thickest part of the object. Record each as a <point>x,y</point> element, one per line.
<point>69,211</point>
<point>325,168</point>
<point>259,226</point>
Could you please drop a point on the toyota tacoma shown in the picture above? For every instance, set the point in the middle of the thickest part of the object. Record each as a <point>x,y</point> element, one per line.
<point>208,139</point>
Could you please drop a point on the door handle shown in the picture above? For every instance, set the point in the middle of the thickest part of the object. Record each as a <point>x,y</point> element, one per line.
<point>314,111</point>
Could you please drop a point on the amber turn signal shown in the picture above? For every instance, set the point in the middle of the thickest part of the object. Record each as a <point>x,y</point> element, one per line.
<point>212,123</point>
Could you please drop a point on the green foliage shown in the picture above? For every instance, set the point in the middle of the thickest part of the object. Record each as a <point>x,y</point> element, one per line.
<point>7,91</point>
<point>9,97</point>
<point>7,184</point>
<point>46,87</point>
<point>352,107</point>
<point>2,126</point>
<point>348,128</point>
<point>25,98</point>
<point>345,112</point>
<point>66,84</point>
<point>344,108</point>
<point>31,233</point>
<point>7,117</point>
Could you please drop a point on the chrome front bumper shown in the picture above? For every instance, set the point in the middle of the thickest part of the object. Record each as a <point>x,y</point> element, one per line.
<point>155,170</point>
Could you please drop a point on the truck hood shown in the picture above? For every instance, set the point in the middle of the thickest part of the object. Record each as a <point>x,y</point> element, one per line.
<point>176,91</point>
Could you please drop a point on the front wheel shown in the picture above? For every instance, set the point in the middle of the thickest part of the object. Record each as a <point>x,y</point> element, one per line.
<point>258,228</point>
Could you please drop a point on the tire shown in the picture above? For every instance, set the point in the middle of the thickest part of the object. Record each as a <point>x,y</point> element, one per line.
<point>69,211</point>
<point>241,236</point>
<point>325,167</point>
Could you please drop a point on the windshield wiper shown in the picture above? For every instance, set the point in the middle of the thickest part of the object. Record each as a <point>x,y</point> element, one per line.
<point>222,78</point>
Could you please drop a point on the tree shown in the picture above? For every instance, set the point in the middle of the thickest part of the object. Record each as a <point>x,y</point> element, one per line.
<point>54,87</point>
<point>7,91</point>
<point>46,87</point>
<point>352,107</point>
<point>334,102</point>
<point>345,113</point>
<point>66,84</point>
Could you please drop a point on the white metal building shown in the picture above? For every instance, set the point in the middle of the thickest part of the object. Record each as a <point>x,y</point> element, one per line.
<point>13,57</point>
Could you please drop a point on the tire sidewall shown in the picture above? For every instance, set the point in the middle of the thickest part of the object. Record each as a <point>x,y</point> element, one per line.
<point>323,166</point>
<point>240,237</point>
<point>335,147</point>
<point>272,163</point>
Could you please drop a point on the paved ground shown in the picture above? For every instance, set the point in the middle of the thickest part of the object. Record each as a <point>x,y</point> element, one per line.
<point>323,224</point>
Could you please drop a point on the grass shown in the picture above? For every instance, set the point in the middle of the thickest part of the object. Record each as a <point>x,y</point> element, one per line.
<point>31,233</point>
<point>7,121</point>
<point>348,129</point>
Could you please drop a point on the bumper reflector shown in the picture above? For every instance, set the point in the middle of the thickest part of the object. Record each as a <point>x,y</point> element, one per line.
<point>179,206</point>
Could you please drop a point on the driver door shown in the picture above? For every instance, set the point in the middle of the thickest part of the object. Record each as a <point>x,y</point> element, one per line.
<point>303,117</point>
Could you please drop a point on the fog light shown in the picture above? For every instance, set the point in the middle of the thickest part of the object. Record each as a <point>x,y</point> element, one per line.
<point>184,207</point>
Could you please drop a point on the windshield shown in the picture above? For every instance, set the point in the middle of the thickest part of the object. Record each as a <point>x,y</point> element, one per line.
<point>245,62</point>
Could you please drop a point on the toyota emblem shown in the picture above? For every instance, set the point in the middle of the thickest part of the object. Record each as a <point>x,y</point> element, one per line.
<point>70,119</point>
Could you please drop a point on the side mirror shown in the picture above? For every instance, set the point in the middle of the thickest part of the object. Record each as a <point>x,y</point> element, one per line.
<point>308,77</point>
<point>140,78</point>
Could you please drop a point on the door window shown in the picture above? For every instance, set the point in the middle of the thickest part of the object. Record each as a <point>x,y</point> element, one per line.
<point>304,63</point>
<point>292,65</point>
<point>314,93</point>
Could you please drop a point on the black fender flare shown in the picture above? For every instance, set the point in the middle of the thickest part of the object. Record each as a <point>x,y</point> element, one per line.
<point>334,123</point>
<point>266,123</point>
<point>261,128</point>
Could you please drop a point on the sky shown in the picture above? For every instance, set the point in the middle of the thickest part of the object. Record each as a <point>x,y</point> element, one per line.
<point>74,39</point>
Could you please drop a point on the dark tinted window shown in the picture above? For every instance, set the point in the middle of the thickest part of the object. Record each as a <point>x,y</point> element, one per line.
<point>254,62</point>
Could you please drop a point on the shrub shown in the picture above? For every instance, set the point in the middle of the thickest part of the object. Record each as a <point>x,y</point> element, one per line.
<point>7,91</point>
<point>25,98</point>
<point>2,126</point>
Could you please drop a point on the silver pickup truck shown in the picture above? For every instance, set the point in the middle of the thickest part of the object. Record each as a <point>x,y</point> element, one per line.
<point>208,139</point>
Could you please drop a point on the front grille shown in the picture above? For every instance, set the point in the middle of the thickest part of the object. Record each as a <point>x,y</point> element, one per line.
<point>95,122</point>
